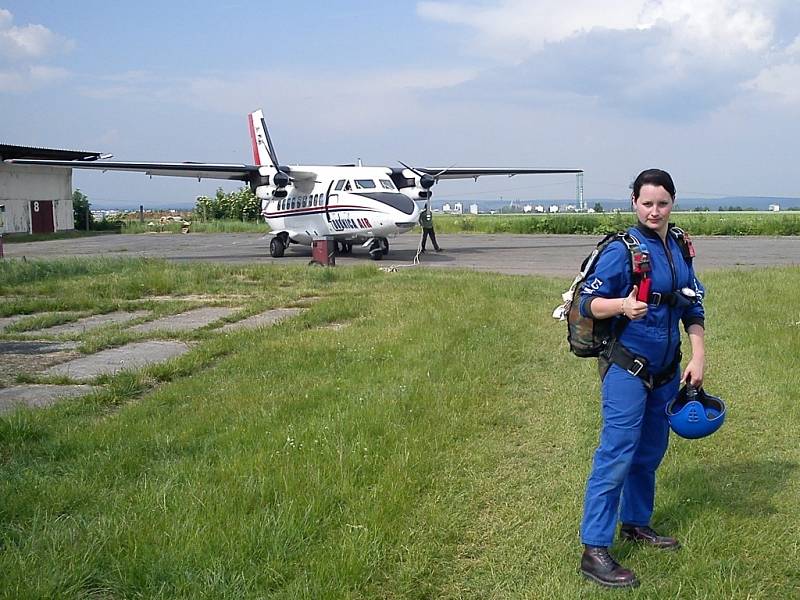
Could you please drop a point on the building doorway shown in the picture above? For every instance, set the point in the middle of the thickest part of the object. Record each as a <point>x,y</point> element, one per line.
<point>42,220</point>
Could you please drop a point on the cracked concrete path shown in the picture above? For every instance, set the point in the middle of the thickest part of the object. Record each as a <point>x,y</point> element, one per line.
<point>187,321</point>
<point>88,323</point>
<point>38,395</point>
<point>108,362</point>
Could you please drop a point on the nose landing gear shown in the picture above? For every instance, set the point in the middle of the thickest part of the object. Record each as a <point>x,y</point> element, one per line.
<point>378,248</point>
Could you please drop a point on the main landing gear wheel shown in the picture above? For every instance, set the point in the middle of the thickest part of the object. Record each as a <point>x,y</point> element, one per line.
<point>384,246</point>
<point>344,247</point>
<point>376,251</point>
<point>276,247</point>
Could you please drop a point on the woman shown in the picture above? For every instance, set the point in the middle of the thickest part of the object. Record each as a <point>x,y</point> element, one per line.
<point>641,374</point>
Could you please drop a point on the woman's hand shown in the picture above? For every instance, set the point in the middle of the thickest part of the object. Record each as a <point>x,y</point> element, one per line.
<point>694,371</point>
<point>633,308</point>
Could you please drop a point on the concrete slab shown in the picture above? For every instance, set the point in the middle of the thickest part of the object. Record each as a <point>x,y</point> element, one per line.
<point>124,358</point>
<point>88,323</point>
<point>263,319</point>
<point>193,319</point>
<point>36,396</point>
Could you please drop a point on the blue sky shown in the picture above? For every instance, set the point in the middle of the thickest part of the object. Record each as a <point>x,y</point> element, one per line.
<point>708,90</point>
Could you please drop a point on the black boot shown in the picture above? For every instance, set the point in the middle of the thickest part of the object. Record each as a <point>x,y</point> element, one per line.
<point>598,565</point>
<point>646,535</point>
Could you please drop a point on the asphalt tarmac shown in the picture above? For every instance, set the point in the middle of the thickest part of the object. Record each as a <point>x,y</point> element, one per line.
<point>514,254</point>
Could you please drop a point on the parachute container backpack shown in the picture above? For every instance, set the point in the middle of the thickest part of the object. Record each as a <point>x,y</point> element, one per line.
<point>588,337</point>
<point>695,414</point>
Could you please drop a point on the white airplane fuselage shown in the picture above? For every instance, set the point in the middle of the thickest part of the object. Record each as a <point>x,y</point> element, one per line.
<point>353,204</point>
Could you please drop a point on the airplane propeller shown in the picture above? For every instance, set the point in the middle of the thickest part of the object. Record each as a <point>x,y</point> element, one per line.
<point>281,179</point>
<point>426,181</point>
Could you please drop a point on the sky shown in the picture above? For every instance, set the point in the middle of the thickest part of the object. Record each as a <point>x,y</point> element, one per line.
<point>706,89</point>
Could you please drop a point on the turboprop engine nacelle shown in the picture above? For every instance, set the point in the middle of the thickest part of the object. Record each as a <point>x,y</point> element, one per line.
<point>416,186</point>
<point>271,184</point>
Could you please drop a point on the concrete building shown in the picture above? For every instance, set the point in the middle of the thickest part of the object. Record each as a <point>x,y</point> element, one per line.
<point>37,199</point>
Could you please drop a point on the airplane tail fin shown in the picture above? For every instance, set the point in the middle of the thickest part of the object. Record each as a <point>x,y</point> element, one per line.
<point>263,151</point>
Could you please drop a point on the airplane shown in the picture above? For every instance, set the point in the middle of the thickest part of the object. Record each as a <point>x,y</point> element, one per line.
<point>353,204</point>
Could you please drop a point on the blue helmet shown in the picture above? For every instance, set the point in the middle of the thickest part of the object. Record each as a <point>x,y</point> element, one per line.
<point>695,414</point>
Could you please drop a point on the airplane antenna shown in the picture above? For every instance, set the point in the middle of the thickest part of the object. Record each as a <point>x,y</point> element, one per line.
<point>359,161</point>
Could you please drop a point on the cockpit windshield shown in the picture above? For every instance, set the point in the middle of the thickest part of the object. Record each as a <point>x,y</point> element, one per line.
<point>387,184</point>
<point>364,184</point>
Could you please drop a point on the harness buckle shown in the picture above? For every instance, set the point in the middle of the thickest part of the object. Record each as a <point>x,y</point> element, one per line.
<point>636,367</point>
<point>655,298</point>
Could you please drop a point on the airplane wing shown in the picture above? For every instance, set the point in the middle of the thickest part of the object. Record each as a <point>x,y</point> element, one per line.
<point>475,172</point>
<point>184,169</point>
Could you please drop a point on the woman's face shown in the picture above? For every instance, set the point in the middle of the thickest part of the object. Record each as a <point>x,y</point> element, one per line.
<point>653,207</point>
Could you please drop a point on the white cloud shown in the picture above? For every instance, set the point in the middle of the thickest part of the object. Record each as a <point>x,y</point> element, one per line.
<point>779,82</point>
<point>713,27</point>
<point>29,42</point>
<point>22,50</point>
<point>657,58</point>
<point>28,79</point>
<point>365,99</point>
<point>514,29</point>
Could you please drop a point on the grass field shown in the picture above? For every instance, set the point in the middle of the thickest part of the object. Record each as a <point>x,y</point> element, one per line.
<point>421,434</point>
<point>696,223</point>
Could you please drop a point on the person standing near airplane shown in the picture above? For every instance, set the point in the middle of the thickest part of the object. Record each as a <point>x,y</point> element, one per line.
<point>426,221</point>
<point>641,373</point>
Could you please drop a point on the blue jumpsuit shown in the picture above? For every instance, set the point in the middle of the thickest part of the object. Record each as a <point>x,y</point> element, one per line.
<point>635,430</point>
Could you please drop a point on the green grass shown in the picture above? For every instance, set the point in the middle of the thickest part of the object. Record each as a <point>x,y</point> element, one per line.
<point>696,223</point>
<point>436,446</point>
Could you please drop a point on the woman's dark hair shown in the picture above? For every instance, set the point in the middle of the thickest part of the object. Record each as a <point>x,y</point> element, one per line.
<point>655,177</point>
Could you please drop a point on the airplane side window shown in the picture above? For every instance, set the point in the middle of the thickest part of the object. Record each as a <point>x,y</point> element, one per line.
<point>293,203</point>
<point>365,184</point>
<point>339,185</point>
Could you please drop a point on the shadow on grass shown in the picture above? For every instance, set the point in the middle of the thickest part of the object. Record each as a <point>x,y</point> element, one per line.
<point>745,488</point>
